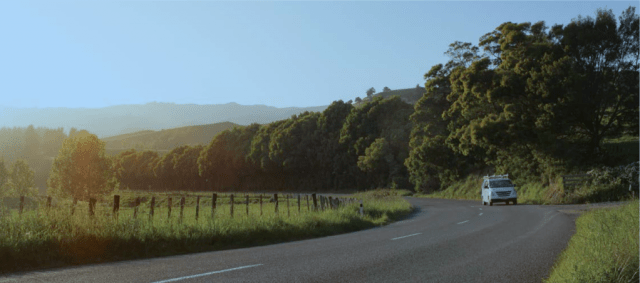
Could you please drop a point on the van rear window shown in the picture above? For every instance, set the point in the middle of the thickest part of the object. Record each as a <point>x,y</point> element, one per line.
<point>501,183</point>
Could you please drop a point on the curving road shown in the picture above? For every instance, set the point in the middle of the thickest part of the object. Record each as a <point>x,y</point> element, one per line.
<point>445,241</point>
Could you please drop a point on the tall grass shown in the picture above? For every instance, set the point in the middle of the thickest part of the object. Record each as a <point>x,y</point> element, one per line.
<point>48,238</point>
<point>603,249</point>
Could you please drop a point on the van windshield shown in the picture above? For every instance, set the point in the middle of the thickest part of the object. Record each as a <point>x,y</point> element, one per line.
<point>501,183</point>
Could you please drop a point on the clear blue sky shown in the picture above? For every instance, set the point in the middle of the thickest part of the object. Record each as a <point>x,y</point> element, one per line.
<point>101,53</point>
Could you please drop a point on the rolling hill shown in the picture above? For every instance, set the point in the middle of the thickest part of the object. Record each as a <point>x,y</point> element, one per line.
<point>165,140</point>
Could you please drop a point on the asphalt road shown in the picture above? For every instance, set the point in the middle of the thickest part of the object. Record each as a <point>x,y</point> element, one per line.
<point>445,241</point>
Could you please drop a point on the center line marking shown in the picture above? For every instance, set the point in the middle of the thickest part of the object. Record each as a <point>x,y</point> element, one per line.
<point>406,236</point>
<point>480,214</point>
<point>205,274</point>
<point>463,222</point>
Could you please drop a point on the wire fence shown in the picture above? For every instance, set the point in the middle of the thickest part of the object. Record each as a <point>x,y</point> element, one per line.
<point>180,206</point>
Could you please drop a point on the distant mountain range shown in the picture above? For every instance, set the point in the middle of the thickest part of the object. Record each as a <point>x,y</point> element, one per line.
<point>124,119</point>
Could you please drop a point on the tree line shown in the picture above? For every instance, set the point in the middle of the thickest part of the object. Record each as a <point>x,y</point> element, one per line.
<point>30,143</point>
<point>339,148</point>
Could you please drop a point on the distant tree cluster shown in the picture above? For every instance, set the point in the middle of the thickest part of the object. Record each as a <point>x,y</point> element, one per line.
<point>18,180</point>
<point>370,92</point>
<point>29,143</point>
<point>34,146</point>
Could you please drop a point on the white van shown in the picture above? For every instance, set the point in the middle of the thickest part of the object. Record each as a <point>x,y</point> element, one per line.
<point>498,188</point>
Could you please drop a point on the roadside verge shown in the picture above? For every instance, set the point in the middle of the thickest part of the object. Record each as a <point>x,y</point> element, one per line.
<point>35,240</point>
<point>603,249</point>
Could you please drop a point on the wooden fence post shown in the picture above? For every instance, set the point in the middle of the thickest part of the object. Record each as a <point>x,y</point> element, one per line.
<point>288,211</point>
<point>307,198</point>
<point>275,197</point>
<point>21,204</point>
<point>231,201</point>
<point>116,205</point>
<point>92,206</point>
<point>197,207</point>
<point>182,199</point>
<point>247,200</point>
<point>361,208</point>
<point>135,209</point>
<point>315,202</point>
<point>73,206</point>
<point>169,206</point>
<point>260,205</point>
<point>152,207</point>
<point>298,203</point>
<point>214,199</point>
<point>48,202</point>
<point>331,202</point>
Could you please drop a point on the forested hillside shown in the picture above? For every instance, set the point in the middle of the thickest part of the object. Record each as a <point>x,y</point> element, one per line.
<point>530,101</point>
<point>408,95</point>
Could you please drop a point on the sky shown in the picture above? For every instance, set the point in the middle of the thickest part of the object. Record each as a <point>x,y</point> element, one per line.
<point>92,54</point>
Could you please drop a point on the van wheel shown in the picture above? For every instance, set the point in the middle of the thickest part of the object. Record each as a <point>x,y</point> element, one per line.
<point>490,203</point>
<point>515,202</point>
<point>506,202</point>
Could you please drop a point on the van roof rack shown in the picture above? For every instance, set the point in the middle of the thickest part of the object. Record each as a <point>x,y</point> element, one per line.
<point>505,176</point>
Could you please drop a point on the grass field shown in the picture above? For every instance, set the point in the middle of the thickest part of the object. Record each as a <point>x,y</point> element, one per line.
<point>603,249</point>
<point>39,238</point>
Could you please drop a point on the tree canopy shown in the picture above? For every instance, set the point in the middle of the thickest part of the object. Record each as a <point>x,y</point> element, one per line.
<point>533,101</point>
<point>370,92</point>
<point>22,181</point>
<point>81,169</point>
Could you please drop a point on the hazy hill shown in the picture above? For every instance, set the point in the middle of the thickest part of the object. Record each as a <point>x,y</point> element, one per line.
<point>123,119</point>
<point>166,139</point>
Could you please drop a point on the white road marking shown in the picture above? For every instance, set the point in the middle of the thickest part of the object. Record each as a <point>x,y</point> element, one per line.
<point>406,236</point>
<point>480,208</point>
<point>480,214</point>
<point>205,274</point>
<point>463,222</point>
<point>404,221</point>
